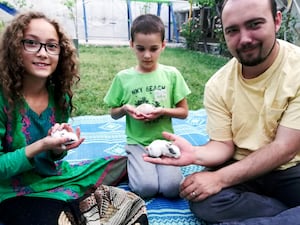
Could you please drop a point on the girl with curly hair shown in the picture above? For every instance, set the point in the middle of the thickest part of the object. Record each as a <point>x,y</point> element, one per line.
<point>38,68</point>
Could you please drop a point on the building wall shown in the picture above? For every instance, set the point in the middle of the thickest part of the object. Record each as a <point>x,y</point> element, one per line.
<point>105,19</point>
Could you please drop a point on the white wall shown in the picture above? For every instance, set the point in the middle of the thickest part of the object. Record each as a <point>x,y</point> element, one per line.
<point>106,19</point>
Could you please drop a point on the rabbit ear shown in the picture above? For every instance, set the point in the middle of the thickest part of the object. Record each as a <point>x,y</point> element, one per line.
<point>168,144</point>
<point>170,148</point>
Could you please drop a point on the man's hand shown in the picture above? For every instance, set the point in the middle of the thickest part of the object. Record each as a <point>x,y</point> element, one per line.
<point>187,157</point>
<point>200,185</point>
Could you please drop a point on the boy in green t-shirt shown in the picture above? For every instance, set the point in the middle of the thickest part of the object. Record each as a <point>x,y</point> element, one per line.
<point>152,83</point>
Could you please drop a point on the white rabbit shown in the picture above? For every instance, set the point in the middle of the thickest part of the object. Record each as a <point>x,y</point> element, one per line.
<point>162,147</point>
<point>64,133</point>
<point>145,108</point>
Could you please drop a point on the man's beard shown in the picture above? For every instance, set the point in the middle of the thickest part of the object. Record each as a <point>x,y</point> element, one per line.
<point>257,60</point>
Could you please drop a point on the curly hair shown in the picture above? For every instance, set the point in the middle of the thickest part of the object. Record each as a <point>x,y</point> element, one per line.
<point>12,67</point>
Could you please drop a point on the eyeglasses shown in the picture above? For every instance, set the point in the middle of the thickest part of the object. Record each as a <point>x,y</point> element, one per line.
<point>35,46</point>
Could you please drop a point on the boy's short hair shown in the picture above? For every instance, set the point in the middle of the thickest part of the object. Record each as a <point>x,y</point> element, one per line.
<point>148,24</point>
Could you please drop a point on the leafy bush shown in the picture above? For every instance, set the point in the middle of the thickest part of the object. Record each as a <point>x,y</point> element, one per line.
<point>287,30</point>
<point>192,32</point>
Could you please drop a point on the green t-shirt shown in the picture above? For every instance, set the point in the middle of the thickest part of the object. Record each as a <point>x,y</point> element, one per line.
<point>164,87</point>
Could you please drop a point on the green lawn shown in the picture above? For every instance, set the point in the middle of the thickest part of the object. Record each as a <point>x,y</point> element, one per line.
<point>98,66</point>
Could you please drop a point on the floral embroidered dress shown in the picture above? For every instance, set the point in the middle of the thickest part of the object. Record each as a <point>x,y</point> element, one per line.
<point>45,175</point>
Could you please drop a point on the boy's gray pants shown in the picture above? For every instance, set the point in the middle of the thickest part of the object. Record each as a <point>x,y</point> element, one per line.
<point>148,179</point>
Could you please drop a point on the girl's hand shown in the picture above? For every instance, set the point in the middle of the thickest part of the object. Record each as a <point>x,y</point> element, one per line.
<point>56,144</point>
<point>60,144</point>
<point>60,126</point>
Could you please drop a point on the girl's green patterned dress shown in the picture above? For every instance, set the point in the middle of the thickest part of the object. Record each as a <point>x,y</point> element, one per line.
<point>45,175</point>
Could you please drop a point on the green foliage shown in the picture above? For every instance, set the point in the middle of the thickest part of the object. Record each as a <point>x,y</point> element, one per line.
<point>287,29</point>
<point>221,40</point>
<point>72,9</point>
<point>2,25</point>
<point>15,4</point>
<point>6,3</point>
<point>192,32</point>
<point>203,2</point>
<point>20,3</point>
<point>145,8</point>
<point>70,4</point>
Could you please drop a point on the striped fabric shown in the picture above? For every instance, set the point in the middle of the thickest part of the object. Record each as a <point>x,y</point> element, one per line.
<point>105,137</point>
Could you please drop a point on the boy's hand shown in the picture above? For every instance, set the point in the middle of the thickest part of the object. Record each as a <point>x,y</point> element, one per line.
<point>157,112</point>
<point>138,114</point>
<point>131,111</point>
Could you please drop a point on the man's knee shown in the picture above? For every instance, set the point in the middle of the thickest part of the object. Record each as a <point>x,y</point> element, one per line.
<point>203,211</point>
<point>218,207</point>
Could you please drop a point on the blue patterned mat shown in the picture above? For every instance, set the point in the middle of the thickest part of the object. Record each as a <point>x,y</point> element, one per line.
<point>105,136</point>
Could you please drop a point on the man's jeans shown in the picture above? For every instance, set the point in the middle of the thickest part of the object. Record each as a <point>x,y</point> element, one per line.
<point>287,217</point>
<point>271,199</point>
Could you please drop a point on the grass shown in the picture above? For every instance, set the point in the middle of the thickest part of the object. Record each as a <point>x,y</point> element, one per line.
<point>98,66</point>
